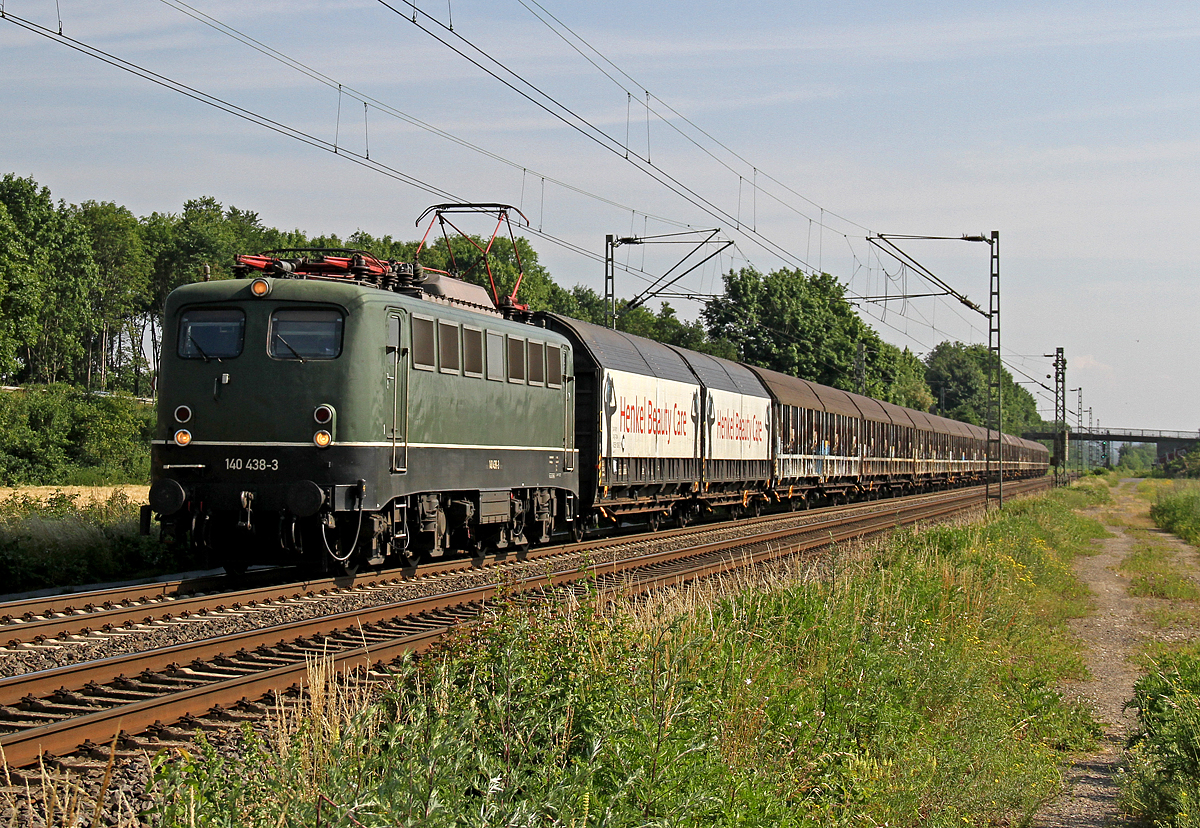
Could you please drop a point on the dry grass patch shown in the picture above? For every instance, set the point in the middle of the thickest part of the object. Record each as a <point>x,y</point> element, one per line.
<point>82,495</point>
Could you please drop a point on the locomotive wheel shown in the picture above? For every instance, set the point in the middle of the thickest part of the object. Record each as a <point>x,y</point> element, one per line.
<point>233,563</point>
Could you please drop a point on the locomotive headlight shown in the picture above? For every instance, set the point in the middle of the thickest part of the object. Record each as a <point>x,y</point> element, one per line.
<point>322,439</point>
<point>183,414</point>
<point>183,437</point>
<point>323,414</point>
<point>260,287</point>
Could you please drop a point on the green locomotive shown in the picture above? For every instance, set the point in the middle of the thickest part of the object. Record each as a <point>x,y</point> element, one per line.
<point>341,410</point>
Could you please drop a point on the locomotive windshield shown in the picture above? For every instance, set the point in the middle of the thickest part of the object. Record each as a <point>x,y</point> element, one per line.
<point>306,334</point>
<point>211,333</point>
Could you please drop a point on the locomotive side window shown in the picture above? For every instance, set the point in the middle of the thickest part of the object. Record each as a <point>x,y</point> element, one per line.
<point>472,352</point>
<point>554,366</point>
<point>537,364</point>
<point>423,348</point>
<point>305,334</point>
<point>448,347</point>
<point>495,356</point>
<point>516,359</point>
<point>211,333</point>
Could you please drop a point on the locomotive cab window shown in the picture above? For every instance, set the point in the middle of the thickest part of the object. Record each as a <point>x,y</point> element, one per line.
<point>306,334</point>
<point>211,333</point>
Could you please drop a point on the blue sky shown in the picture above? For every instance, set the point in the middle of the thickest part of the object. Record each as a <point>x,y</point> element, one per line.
<point>1071,128</point>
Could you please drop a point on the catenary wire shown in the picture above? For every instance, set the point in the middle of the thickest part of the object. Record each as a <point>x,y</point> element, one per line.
<point>567,116</point>
<point>279,127</point>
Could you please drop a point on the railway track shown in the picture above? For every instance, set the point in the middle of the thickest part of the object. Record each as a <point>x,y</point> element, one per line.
<point>143,700</point>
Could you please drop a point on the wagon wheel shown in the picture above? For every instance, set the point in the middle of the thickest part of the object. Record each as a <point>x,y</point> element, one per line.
<point>655,521</point>
<point>682,518</point>
<point>758,508</point>
<point>578,530</point>
<point>795,503</point>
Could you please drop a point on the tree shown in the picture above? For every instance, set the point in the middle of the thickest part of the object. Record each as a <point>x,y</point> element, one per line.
<point>958,381</point>
<point>801,324</point>
<point>960,372</point>
<point>48,304</point>
<point>1137,457</point>
<point>15,278</point>
<point>122,289</point>
<point>903,376</point>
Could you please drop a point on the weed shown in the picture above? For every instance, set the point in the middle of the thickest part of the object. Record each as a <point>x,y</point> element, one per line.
<point>1176,615</point>
<point>60,541</point>
<point>1155,573</point>
<point>912,683</point>
<point>1177,509</point>
<point>1163,780</point>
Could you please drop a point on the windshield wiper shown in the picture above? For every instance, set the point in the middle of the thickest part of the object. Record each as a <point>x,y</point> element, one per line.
<point>192,339</point>
<point>289,347</point>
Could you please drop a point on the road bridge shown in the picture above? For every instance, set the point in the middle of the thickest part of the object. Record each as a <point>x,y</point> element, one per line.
<point>1168,442</point>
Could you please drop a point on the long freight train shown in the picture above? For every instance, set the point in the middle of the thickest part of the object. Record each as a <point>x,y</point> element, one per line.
<point>337,410</point>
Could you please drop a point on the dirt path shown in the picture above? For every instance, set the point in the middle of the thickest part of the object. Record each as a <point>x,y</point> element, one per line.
<point>1112,636</point>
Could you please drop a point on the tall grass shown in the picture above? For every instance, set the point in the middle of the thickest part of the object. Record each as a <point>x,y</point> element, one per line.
<point>60,541</point>
<point>910,683</point>
<point>1162,784</point>
<point>1177,510</point>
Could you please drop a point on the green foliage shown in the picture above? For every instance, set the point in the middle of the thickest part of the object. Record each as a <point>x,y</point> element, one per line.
<point>789,321</point>
<point>1178,511</point>
<point>1162,784</point>
<point>801,324</point>
<point>45,305</point>
<point>1137,457</point>
<point>58,435</point>
<point>59,542</point>
<point>913,688</point>
<point>1186,465</point>
<point>960,372</point>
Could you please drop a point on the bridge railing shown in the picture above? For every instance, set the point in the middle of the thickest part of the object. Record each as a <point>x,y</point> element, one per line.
<point>1128,435</point>
<point>1132,434</point>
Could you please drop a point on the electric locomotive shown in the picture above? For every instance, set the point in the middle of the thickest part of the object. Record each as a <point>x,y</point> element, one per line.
<point>340,410</point>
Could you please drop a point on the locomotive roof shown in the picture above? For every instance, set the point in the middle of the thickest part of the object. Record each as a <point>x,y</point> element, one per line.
<point>620,351</point>
<point>723,375</point>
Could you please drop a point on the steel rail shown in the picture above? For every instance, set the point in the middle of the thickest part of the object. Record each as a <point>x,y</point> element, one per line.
<point>25,746</point>
<point>36,620</point>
